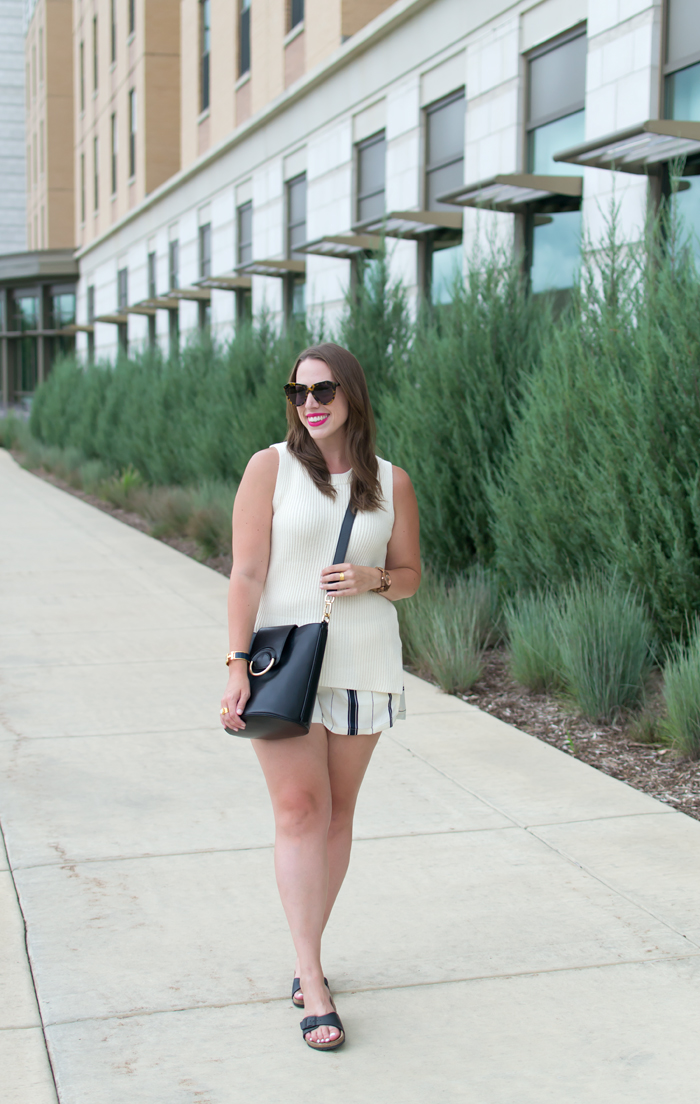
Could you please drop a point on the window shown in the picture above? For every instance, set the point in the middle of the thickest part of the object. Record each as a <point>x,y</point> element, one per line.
<point>94,54</point>
<point>556,117</point>
<point>174,264</point>
<point>82,187</point>
<point>132,132</point>
<point>152,276</point>
<point>96,174</point>
<point>295,289</point>
<point>82,76</point>
<point>205,250</point>
<point>204,52</point>
<point>91,304</point>
<point>296,13</point>
<point>62,309</point>
<point>682,91</point>
<point>123,288</point>
<point>245,232</point>
<point>371,172</point>
<point>243,37</point>
<point>296,215</point>
<point>114,154</point>
<point>444,168</point>
<point>132,16</point>
<point>444,171</point>
<point>113,30</point>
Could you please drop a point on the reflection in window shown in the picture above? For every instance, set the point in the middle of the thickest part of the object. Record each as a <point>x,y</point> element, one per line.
<point>26,312</point>
<point>445,272</point>
<point>556,250</point>
<point>174,264</point>
<point>205,250</point>
<point>204,52</point>
<point>245,233</point>
<point>444,169</point>
<point>371,173</point>
<point>683,102</point>
<point>62,310</point>
<point>26,365</point>
<point>683,94</point>
<point>244,37</point>
<point>296,215</point>
<point>553,138</point>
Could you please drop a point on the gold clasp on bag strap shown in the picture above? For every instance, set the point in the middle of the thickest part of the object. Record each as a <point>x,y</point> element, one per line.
<point>328,606</point>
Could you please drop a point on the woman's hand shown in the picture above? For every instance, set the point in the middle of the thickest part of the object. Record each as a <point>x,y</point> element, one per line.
<point>348,579</point>
<point>236,695</point>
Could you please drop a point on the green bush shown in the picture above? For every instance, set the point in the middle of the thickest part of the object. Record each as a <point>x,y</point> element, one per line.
<point>534,654</point>
<point>682,696</point>
<point>606,643</point>
<point>446,626</point>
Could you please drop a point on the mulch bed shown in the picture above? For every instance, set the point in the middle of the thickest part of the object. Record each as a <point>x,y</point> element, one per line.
<point>608,747</point>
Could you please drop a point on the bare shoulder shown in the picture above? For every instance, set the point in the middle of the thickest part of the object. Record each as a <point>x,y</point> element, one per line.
<point>403,488</point>
<point>261,470</point>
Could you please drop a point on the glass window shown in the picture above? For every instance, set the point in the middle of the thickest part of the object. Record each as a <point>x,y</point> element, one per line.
<point>113,30</point>
<point>122,288</point>
<point>444,149</point>
<point>82,76</point>
<point>545,141</point>
<point>558,80</point>
<point>556,250</point>
<point>205,250</point>
<point>244,37</point>
<point>446,270</point>
<point>296,12</point>
<point>132,16</point>
<point>371,174</point>
<point>132,132</point>
<point>91,304</point>
<point>26,312</point>
<point>26,365</point>
<point>204,51</point>
<point>96,174</point>
<point>245,233</point>
<point>152,276</point>
<point>62,309</point>
<point>682,31</point>
<point>683,94</point>
<point>296,215</point>
<point>94,54</point>
<point>174,264</point>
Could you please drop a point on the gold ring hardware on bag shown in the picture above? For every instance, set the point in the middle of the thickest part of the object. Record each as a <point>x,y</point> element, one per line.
<point>327,607</point>
<point>257,674</point>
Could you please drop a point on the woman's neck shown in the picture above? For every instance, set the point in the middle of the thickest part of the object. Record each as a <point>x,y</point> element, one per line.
<point>334,452</point>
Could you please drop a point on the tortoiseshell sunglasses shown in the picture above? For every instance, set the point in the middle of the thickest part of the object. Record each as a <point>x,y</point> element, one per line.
<point>323,392</point>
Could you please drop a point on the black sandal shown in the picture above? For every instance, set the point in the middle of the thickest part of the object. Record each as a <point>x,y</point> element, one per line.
<point>331,1019</point>
<point>296,986</point>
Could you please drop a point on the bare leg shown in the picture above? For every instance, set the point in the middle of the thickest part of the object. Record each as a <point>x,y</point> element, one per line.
<point>296,772</point>
<point>348,759</point>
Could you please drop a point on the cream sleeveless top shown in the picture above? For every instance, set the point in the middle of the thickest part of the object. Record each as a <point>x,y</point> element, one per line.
<point>364,647</point>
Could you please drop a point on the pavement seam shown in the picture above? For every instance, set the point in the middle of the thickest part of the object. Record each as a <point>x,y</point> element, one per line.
<point>41,1026</point>
<point>381,988</point>
<point>620,893</point>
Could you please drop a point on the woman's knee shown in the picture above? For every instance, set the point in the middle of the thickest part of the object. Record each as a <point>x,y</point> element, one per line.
<point>298,812</point>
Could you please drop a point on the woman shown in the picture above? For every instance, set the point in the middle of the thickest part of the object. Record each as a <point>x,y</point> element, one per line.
<point>286,522</point>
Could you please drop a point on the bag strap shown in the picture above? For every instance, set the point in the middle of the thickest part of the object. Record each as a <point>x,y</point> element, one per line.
<point>344,538</point>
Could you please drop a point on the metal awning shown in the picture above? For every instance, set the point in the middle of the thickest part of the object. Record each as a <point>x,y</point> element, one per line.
<point>272,268</point>
<point>342,245</point>
<point>637,149</point>
<point>411,224</point>
<point>113,319</point>
<point>512,191</point>
<point>225,283</point>
<point>75,327</point>
<point>161,302</point>
<point>200,294</point>
<point>141,308</point>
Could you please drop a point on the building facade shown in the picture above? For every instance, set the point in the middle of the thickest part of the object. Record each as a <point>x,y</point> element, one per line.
<point>13,218</point>
<point>232,157</point>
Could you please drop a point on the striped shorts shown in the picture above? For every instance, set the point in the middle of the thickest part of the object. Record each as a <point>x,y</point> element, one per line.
<point>357,711</point>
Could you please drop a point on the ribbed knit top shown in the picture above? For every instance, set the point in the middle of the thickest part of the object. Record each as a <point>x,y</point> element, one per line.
<point>364,647</point>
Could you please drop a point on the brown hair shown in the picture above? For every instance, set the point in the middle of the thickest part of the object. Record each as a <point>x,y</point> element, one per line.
<point>360,430</point>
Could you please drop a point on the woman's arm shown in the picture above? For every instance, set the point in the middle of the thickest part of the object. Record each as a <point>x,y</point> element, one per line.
<point>402,555</point>
<point>252,525</point>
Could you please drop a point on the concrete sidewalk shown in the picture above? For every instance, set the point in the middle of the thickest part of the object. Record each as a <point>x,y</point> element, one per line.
<point>516,928</point>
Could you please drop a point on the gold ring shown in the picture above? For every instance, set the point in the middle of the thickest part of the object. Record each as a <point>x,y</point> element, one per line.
<point>222,711</point>
<point>342,576</point>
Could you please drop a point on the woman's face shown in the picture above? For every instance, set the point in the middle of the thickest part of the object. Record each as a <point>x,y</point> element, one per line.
<point>321,421</point>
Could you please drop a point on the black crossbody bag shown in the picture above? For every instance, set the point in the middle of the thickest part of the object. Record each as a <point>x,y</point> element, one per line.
<point>285,666</point>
